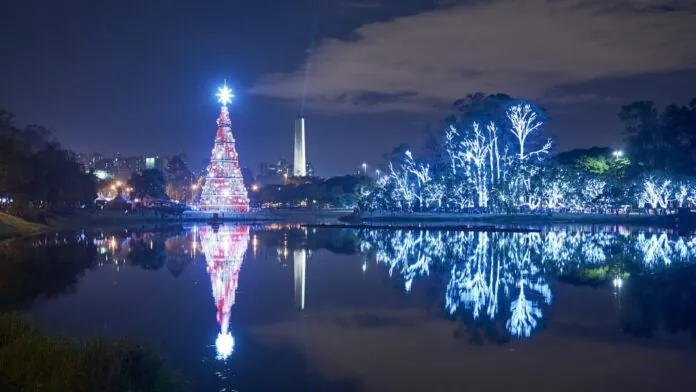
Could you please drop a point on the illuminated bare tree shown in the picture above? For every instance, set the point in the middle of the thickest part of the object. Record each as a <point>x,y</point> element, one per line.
<point>476,151</point>
<point>692,198</point>
<point>681,194</point>
<point>452,147</point>
<point>525,122</point>
<point>402,189</point>
<point>462,196</point>
<point>656,192</point>
<point>554,194</point>
<point>422,174</point>
<point>493,152</point>
<point>434,193</point>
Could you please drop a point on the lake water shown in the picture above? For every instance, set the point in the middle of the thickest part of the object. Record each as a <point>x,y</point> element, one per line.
<point>287,308</point>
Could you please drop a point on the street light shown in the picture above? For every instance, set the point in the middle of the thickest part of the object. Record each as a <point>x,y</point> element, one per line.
<point>617,154</point>
<point>255,187</point>
<point>194,187</point>
<point>364,166</point>
<point>377,172</point>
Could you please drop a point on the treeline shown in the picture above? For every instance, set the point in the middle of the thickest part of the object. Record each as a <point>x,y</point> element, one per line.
<point>36,174</point>
<point>661,141</point>
<point>495,154</point>
<point>338,192</point>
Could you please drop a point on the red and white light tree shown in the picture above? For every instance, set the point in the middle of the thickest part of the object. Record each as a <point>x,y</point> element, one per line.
<point>223,190</point>
<point>224,251</point>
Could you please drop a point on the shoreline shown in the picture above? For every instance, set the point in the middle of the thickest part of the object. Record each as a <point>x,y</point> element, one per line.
<point>457,227</point>
<point>430,219</point>
<point>14,227</point>
<point>107,220</point>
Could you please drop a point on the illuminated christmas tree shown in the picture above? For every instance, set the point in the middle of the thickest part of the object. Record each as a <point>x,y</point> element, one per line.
<point>224,251</point>
<point>224,189</point>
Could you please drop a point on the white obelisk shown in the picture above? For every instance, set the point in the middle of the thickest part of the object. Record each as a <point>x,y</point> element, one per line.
<point>299,164</point>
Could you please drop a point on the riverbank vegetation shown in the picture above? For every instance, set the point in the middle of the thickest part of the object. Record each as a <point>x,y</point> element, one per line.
<point>495,155</point>
<point>11,225</point>
<point>32,361</point>
<point>43,185</point>
<point>37,175</point>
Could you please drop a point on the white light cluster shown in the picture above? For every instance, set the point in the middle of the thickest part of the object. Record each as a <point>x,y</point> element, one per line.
<point>478,162</point>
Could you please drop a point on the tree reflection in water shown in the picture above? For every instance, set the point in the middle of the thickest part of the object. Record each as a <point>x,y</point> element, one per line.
<point>42,267</point>
<point>503,277</point>
<point>666,297</point>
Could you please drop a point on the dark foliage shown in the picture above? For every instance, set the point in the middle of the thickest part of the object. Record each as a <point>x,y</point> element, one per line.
<point>661,141</point>
<point>339,192</point>
<point>31,361</point>
<point>37,174</point>
<point>179,178</point>
<point>149,183</point>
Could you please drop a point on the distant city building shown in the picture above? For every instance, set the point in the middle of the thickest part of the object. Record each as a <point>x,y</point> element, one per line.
<point>300,162</point>
<point>119,166</point>
<point>281,167</point>
<point>263,172</point>
<point>135,164</point>
<point>83,160</point>
<point>156,163</point>
<point>279,173</point>
<point>247,176</point>
<point>105,164</point>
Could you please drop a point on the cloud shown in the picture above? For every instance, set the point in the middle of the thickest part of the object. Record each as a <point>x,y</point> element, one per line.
<point>529,48</point>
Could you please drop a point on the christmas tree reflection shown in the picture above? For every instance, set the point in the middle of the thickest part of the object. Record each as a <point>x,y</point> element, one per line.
<point>224,250</point>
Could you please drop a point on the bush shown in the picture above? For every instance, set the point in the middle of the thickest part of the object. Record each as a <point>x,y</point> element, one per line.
<point>32,361</point>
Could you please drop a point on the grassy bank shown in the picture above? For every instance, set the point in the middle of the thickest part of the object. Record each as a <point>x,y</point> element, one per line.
<point>11,226</point>
<point>32,361</point>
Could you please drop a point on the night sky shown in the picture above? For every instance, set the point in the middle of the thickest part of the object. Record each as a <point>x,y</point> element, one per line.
<point>139,77</point>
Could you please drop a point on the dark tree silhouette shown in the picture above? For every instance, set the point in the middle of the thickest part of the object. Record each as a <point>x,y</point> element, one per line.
<point>149,183</point>
<point>661,141</point>
<point>37,174</point>
<point>179,178</point>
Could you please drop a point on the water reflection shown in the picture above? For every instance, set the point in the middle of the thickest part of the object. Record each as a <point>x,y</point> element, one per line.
<point>499,281</point>
<point>505,275</point>
<point>300,272</point>
<point>499,286</point>
<point>224,249</point>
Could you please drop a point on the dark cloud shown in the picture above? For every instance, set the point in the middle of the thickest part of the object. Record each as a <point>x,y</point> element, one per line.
<point>527,48</point>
